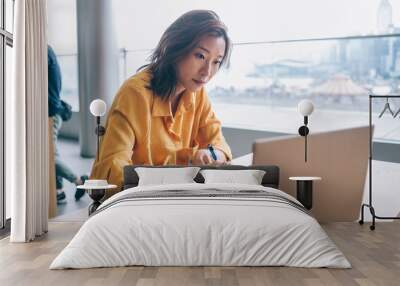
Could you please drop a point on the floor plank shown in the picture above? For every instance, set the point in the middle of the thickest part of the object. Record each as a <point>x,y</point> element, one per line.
<point>375,257</point>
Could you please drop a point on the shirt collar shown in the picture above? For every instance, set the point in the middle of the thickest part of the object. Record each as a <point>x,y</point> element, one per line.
<point>163,107</point>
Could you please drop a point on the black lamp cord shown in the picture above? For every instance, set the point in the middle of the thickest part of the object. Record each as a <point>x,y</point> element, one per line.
<point>305,138</point>
<point>98,135</point>
<point>303,131</point>
<point>305,148</point>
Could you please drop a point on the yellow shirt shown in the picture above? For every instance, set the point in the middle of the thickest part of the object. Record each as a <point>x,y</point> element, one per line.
<point>141,130</point>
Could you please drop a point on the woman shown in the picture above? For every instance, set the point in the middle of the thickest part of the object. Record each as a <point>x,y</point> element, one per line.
<point>162,115</point>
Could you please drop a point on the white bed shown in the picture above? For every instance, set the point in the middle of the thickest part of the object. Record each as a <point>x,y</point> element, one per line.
<point>185,230</point>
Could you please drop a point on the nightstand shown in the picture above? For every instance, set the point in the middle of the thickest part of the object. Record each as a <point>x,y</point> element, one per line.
<point>305,190</point>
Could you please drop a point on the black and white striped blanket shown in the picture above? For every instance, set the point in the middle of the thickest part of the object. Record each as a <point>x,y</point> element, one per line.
<point>206,194</point>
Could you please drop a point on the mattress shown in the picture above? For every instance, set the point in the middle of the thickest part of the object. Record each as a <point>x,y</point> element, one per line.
<point>201,225</point>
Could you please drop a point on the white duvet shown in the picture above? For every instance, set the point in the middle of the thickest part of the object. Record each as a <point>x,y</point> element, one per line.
<point>200,231</point>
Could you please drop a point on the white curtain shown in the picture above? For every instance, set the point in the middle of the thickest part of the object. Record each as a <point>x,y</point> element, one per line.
<point>27,119</point>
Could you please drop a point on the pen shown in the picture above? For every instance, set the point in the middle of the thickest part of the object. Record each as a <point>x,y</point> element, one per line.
<point>213,155</point>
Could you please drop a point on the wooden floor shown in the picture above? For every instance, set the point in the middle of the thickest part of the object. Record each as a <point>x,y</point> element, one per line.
<point>375,257</point>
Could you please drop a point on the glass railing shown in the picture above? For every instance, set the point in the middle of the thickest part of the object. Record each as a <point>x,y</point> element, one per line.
<point>265,81</point>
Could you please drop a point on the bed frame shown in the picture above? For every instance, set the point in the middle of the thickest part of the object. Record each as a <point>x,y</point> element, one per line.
<point>270,179</point>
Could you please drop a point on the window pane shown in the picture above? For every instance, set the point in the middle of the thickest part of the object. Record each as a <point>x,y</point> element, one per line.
<point>63,40</point>
<point>260,20</point>
<point>130,61</point>
<point>7,95</point>
<point>1,15</point>
<point>268,81</point>
<point>69,74</point>
<point>9,15</point>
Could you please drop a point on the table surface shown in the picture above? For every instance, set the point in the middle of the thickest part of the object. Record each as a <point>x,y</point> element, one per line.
<point>305,178</point>
<point>96,187</point>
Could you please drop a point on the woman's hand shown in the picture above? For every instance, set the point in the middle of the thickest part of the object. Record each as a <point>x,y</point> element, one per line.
<point>203,157</point>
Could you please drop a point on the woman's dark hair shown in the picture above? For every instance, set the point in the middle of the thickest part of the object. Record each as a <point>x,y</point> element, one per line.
<point>180,38</point>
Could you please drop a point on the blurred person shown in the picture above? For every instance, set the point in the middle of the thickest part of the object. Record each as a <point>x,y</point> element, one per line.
<point>60,111</point>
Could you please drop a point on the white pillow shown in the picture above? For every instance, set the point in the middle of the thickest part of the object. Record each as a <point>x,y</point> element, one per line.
<point>249,177</point>
<point>164,176</point>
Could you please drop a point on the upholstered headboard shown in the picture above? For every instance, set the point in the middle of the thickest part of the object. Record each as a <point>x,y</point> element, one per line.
<point>270,179</point>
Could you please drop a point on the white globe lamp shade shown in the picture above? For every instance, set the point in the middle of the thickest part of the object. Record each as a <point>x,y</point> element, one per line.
<point>98,107</point>
<point>305,107</point>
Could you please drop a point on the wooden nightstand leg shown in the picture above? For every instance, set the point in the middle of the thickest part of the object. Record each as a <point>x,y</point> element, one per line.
<point>305,193</point>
